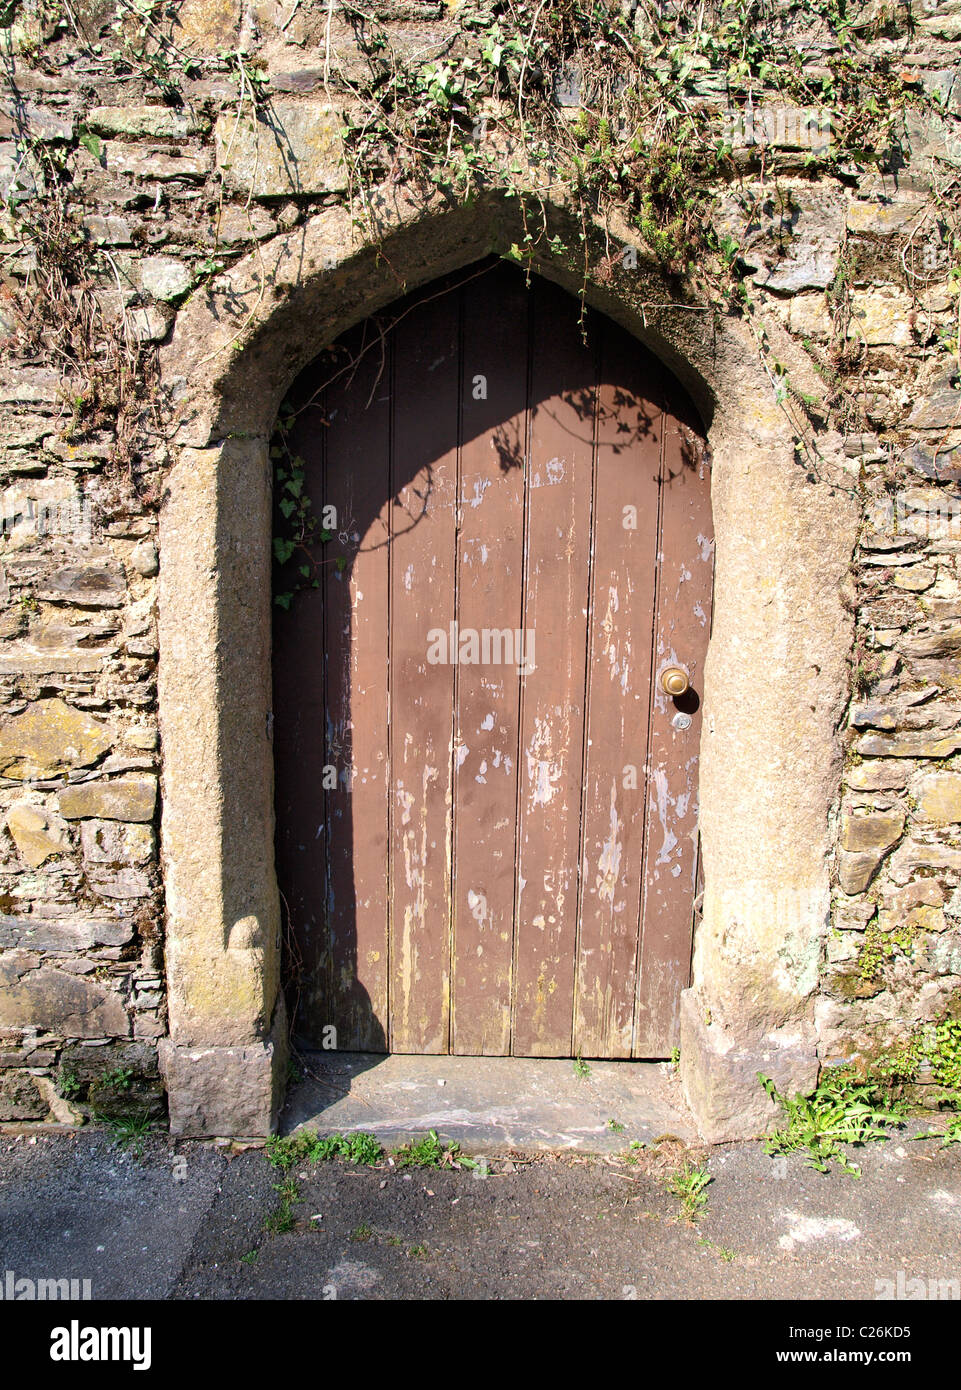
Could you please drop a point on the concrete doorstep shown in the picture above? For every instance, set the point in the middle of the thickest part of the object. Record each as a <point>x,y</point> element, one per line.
<point>489,1104</point>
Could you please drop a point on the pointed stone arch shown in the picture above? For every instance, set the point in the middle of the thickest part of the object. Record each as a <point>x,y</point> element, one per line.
<point>775,681</point>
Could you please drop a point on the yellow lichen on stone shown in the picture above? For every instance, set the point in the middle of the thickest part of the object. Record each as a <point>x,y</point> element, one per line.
<point>48,739</point>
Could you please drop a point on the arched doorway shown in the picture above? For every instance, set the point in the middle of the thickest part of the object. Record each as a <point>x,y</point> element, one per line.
<point>486,796</point>
<point>770,751</point>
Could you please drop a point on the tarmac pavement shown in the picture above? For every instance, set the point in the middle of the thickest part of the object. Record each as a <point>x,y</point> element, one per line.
<point>197,1220</point>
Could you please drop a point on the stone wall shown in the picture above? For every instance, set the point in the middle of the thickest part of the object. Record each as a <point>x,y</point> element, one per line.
<point>163,178</point>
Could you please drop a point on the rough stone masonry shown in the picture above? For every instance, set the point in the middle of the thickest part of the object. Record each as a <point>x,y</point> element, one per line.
<point>195,207</point>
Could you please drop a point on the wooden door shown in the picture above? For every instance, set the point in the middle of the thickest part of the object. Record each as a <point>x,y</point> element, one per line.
<point>486,800</point>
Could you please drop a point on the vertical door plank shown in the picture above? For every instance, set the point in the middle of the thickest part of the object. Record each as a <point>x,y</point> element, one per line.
<point>426,387</point>
<point>558,565</point>
<point>685,584</point>
<point>356,597</point>
<point>490,585</point>
<point>622,601</point>
<point>299,753</point>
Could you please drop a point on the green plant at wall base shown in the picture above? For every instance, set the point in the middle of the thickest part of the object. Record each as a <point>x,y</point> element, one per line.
<point>279,1221</point>
<point>943,1052</point>
<point>359,1148</point>
<point>430,1152</point>
<point>952,1133</point>
<point>935,1045</point>
<point>130,1133</point>
<point>899,1066</point>
<point>68,1084</point>
<point>285,1152</point>
<point>306,1147</point>
<point>688,1185</point>
<point>839,1112</point>
<point>362,1149</point>
<point>883,1077</point>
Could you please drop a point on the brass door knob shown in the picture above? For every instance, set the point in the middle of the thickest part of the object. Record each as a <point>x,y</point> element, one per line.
<point>674,681</point>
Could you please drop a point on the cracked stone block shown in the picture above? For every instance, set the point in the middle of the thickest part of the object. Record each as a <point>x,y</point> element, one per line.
<point>878,776</point>
<point>922,918</point>
<point>943,642</point>
<point>108,230</point>
<point>882,218</point>
<point>939,411</point>
<point>140,162</point>
<point>941,956</point>
<point>925,891</point>
<point>913,857</point>
<point>20,177</point>
<point>206,25</point>
<point>882,317</point>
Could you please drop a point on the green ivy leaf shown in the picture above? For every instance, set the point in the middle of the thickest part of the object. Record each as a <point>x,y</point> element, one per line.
<point>92,143</point>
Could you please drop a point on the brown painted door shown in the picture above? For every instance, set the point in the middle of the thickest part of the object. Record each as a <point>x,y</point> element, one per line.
<point>486,802</point>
